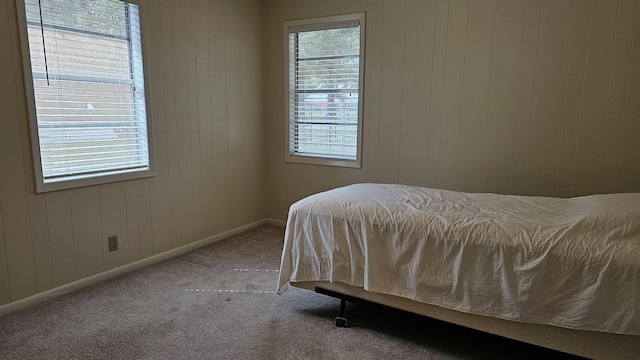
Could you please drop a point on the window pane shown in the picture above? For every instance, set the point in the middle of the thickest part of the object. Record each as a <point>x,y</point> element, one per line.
<point>79,54</point>
<point>341,108</point>
<point>104,16</point>
<point>329,42</point>
<point>86,127</point>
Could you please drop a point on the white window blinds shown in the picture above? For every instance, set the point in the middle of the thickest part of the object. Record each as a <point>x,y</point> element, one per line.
<point>88,85</point>
<point>324,89</point>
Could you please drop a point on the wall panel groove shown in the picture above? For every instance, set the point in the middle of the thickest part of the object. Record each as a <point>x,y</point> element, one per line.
<point>628,161</point>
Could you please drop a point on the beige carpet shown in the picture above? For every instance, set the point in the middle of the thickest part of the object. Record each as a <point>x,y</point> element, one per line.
<point>218,302</point>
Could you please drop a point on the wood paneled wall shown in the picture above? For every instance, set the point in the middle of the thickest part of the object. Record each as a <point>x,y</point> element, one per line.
<point>205,83</point>
<point>532,97</point>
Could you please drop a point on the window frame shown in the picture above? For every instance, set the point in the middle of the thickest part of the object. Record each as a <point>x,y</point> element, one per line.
<point>315,24</point>
<point>103,177</point>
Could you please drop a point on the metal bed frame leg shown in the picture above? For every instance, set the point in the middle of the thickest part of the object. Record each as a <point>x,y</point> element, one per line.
<point>341,321</point>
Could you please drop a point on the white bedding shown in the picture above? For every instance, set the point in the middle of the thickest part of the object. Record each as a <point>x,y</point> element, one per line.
<point>567,262</point>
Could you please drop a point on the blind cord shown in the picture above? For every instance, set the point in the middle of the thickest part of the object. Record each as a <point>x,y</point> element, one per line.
<point>44,48</point>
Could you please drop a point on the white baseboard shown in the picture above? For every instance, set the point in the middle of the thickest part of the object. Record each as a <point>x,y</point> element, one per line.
<point>82,283</point>
<point>276,222</point>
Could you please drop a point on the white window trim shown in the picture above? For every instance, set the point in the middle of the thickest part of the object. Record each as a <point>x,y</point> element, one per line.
<point>80,181</point>
<point>324,23</point>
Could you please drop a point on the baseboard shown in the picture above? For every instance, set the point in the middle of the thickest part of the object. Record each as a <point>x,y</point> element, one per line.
<point>275,222</point>
<point>82,283</point>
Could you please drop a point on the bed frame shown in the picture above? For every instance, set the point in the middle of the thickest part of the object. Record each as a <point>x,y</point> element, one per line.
<point>590,344</point>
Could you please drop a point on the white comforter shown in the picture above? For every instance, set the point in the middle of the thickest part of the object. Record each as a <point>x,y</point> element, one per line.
<point>566,262</point>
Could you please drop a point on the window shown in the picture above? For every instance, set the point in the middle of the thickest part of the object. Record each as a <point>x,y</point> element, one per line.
<point>323,95</point>
<point>85,85</point>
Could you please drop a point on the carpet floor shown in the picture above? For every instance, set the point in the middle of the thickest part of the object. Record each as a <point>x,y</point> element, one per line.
<point>218,302</point>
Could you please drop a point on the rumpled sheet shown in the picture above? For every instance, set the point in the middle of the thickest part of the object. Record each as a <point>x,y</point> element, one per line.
<point>566,262</point>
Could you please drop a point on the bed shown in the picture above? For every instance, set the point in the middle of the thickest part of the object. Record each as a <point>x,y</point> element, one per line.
<point>559,273</point>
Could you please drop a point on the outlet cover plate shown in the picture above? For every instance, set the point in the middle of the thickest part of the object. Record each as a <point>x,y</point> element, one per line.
<point>113,242</point>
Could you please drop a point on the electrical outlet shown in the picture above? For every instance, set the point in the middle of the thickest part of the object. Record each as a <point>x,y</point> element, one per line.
<point>113,242</point>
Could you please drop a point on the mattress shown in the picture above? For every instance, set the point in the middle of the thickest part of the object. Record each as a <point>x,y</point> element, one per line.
<point>572,263</point>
